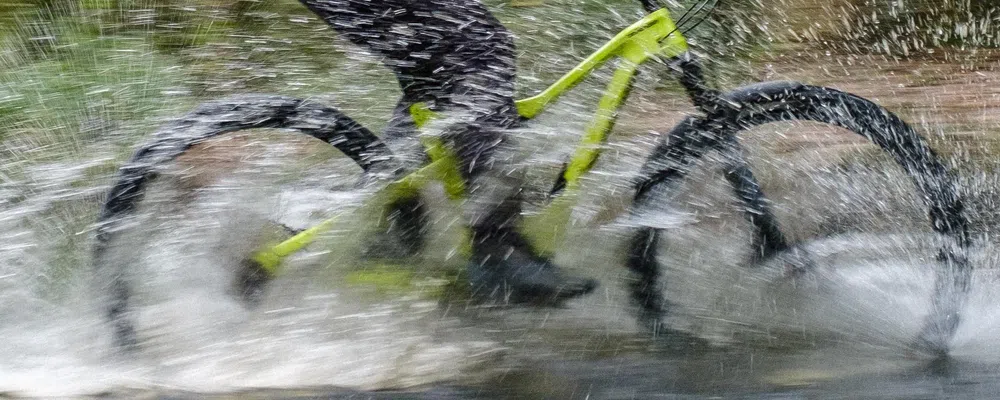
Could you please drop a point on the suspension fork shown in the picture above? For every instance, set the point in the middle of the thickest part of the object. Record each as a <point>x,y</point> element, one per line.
<point>721,115</point>
<point>691,76</point>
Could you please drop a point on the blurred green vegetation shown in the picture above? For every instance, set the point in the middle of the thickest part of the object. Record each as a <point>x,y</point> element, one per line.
<point>67,58</point>
<point>74,72</point>
<point>78,72</point>
<point>899,28</point>
<point>902,27</point>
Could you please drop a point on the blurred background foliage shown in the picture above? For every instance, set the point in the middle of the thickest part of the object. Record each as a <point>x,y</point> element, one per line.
<point>915,26</point>
<point>73,71</point>
<point>901,28</point>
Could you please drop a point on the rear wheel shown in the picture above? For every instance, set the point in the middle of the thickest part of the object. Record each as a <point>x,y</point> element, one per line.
<point>207,121</point>
<point>765,103</point>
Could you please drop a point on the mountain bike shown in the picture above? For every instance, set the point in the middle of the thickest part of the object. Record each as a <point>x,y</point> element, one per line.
<point>721,117</point>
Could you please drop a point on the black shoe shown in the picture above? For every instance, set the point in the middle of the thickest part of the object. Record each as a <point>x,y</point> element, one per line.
<point>511,273</point>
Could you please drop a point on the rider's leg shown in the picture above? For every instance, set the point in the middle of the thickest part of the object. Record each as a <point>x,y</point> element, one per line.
<point>503,267</point>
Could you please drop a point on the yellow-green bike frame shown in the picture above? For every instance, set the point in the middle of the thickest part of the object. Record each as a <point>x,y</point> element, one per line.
<point>656,35</point>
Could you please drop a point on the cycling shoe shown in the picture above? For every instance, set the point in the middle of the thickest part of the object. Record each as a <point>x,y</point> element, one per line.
<point>513,274</point>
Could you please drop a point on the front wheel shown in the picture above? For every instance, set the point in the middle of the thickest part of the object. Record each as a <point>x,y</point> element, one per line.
<point>764,103</point>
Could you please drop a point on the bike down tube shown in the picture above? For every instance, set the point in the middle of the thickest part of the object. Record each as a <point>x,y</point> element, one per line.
<point>546,229</point>
<point>443,168</point>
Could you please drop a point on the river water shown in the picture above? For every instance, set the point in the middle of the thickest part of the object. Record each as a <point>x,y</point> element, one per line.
<point>839,331</point>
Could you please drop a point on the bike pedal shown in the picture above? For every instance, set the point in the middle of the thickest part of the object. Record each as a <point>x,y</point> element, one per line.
<point>250,282</point>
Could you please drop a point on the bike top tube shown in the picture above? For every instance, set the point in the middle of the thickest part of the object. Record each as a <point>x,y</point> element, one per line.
<point>654,35</point>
